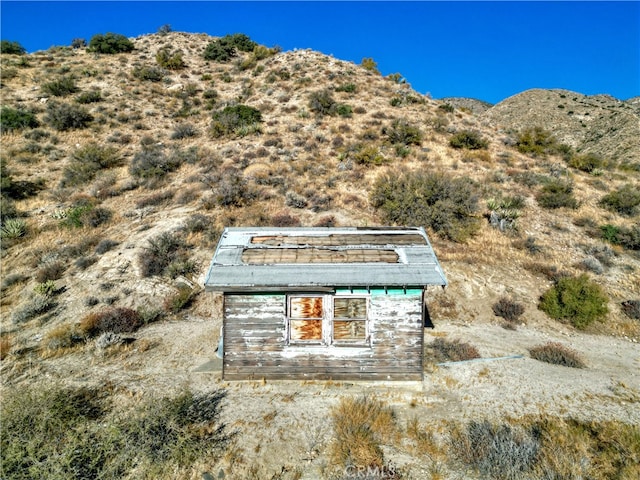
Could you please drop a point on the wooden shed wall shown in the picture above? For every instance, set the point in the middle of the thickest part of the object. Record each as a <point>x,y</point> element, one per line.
<point>255,343</point>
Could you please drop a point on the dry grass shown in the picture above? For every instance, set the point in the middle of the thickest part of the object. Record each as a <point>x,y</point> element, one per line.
<point>361,425</point>
<point>443,350</point>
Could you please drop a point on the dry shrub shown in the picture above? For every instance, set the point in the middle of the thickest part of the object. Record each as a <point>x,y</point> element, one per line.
<point>360,425</point>
<point>64,336</point>
<point>442,350</point>
<point>497,451</point>
<point>50,271</point>
<point>285,219</point>
<point>115,319</point>
<point>508,309</point>
<point>631,309</point>
<point>557,354</point>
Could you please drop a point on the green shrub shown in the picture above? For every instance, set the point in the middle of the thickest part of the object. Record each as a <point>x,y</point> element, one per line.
<point>224,49</point>
<point>12,48</point>
<point>166,58</point>
<point>442,350</point>
<point>16,119</point>
<point>91,96</point>
<point>401,132</point>
<point>363,154</point>
<point>436,200</point>
<point>346,87</point>
<point>576,300</point>
<point>232,119</point>
<point>557,354</point>
<point>624,200</point>
<point>150,74</point>
<point>60,87</point>
<point>370,65</point>
<point>539,142</point>
<point>627,237</point>
<point>344,110</point>
<point>587,163</point>
<point>63,116</point>
<point>87,161</point>
<point>110,43</point>
<point>78,43</point>
<point>219,51</point>
<point>322,103</point>
<point>557,193</point>
<point>468,140</point>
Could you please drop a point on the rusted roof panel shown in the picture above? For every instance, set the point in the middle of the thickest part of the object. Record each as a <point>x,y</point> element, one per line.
<point>270,259</point>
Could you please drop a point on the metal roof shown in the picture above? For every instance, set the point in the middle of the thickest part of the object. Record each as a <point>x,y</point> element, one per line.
<point>281,259</point>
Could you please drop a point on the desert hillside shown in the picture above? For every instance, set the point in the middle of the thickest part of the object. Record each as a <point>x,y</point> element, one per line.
<point>120,171</point>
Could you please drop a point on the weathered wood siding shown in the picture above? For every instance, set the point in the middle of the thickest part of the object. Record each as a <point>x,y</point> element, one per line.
<point>255,341</point>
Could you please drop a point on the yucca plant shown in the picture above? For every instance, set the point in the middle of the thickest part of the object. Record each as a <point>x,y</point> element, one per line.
<point>13,228</point>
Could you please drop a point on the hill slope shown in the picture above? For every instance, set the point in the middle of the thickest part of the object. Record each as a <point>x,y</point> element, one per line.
<point>598,124</point>
<point>122,208</point>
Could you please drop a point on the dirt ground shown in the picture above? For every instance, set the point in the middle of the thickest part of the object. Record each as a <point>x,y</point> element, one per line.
<point>284,426</point>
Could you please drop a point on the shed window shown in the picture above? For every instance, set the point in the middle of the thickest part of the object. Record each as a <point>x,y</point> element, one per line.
<point>325,319</point>
<point>305,319</point>
<point>350,320</point>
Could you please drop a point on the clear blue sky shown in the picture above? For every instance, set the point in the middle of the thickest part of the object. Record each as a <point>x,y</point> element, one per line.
<point>484,50</point>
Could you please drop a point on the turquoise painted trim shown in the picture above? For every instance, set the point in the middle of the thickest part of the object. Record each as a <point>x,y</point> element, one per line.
<point>375,292</point>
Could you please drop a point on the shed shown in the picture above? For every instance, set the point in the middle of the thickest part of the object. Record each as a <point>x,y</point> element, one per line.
<point>324,303</point>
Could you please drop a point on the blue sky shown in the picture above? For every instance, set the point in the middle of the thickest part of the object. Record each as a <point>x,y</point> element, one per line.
<point>484,50</point>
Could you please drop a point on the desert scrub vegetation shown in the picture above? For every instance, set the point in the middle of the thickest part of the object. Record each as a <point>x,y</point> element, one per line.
<point>87,161</point>
<point>362,154</point>
<point>361,425</point>
<point>508,309</point>
<point>443,350</point>
<point>321,102</point>
<point>624,201</point>
<point>16,119</point>
<point>60,87</point>
<point>631,308</point>
<point>557,193</point>
<point>148,74</point>
<point>152,162</point>
<point>63,433</point>
<point>110,43</point>
<point>576,300</point>
<point>169,59</point>
<point>504,212</point>
<point>468,140</point>
<point>538,142</point>
<point>225,48</point>
<point>166,253</point>
<point>111,319</point>
<point>64,116</point>
<point>588,163</point>
<point>12,48</point>
<point>237,119</point>
<point>627,237</point>
<point>445,204</point>
<point>547,447</point>
<point>402,132</point>
<point>557,354</point>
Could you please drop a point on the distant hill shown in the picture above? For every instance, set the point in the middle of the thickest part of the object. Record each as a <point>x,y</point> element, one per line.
<point>598,124</point>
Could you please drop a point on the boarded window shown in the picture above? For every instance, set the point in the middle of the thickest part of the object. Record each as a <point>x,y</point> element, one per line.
<point>350,320</point>
<point>305,319</point>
